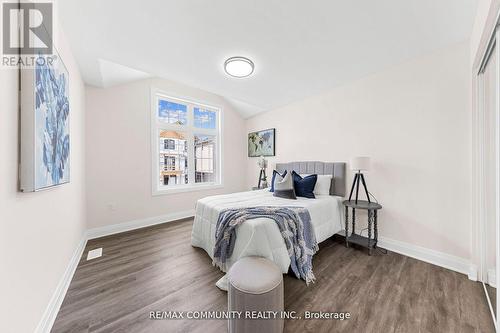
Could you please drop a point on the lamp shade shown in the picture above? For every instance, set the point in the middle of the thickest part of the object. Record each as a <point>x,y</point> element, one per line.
<point>262,162</point>
<point>360,163</point>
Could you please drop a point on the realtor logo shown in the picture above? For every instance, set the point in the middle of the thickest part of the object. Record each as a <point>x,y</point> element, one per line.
<point>27,28</point>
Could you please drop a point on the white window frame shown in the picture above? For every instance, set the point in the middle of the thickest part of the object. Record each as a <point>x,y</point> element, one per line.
<point>190,130</point>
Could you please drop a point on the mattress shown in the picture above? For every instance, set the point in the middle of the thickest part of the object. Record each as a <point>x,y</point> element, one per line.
<point>261,236</point>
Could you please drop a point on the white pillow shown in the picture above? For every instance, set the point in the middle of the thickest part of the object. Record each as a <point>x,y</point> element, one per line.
<point>322,184</point>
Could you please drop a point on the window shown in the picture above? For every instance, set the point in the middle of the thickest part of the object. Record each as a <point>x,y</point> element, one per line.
<point>172,157</point>
<point>186,135</point>
<point>204,118</point>
<point>169,163</point>
<point>169,144</point>
<point>204,158</point>
<point>171,112</point>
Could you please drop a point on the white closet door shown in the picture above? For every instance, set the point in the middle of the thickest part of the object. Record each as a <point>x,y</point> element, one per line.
<point>489,94</point>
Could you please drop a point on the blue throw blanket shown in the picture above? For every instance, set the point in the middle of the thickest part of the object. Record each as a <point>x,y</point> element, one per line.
<point>294,224</point>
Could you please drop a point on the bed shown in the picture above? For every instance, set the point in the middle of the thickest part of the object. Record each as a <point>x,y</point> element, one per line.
<point>261,237</point>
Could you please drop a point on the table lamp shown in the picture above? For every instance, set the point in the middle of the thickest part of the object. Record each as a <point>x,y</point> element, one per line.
<point>358,164</point>
<point>262,163</point>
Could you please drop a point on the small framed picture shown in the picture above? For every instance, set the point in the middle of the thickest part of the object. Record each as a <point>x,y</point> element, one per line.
<point>262,143</point>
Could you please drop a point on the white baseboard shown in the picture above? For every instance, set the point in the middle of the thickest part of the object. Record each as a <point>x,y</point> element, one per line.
<point>448,261</point>
<point>492,277</point>
<point>473,272</point>
<point>50,314</point>
<point>136,224</point>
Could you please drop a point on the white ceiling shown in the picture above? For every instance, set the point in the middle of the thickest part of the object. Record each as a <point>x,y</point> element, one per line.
<point>299,47</point>
<point>113,73</point>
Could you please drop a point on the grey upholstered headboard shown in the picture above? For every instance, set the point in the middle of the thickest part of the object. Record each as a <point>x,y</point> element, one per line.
<point>337,170</point>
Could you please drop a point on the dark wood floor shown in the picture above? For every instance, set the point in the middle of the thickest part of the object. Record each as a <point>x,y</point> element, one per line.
<point>156,269</point>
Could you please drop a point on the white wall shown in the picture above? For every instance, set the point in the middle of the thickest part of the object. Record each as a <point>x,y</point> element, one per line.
<point>118,157</point>
<point>39,232</point>
<point>414,121</point>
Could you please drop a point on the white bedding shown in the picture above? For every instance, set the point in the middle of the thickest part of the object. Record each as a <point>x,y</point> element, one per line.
<point>261,237</point>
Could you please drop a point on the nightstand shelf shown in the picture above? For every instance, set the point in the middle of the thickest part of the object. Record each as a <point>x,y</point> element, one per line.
<point>362,241</point>
<point>369,242</point>
<point>258,188</point>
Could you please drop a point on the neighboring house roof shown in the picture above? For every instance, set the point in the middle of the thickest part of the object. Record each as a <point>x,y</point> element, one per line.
<point>171,135</point>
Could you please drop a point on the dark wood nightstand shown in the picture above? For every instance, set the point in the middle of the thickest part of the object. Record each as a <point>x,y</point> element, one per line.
<point>366,242</point>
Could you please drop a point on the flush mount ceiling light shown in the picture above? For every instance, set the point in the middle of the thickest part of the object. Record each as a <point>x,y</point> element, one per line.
<point>238,66</point>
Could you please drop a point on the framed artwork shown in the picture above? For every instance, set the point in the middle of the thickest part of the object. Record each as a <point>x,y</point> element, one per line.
<point>45,127</point>
<point>262,143</point>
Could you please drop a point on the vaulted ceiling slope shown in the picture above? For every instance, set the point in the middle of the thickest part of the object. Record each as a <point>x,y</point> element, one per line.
<point>300,48</point>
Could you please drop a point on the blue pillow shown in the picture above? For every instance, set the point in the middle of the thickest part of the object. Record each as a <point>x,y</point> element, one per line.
<point>304,187</point>
<point>274,177</point>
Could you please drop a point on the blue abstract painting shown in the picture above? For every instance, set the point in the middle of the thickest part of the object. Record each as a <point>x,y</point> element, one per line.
<point>52,138</point>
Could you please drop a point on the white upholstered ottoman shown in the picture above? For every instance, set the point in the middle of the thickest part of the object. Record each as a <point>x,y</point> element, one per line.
<point>255,284</point>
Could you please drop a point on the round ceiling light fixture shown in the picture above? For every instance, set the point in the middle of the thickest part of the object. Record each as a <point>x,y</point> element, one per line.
<point>239,67</point>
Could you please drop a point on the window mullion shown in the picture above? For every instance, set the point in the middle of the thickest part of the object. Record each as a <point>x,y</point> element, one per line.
<point>191,159</point>
<point>173,127</point>
<point>206,131</point>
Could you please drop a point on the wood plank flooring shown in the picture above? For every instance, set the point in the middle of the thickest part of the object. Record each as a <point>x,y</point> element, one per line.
<point>156,269</point>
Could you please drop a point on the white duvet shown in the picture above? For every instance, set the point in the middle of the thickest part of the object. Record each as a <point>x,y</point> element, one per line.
<point>261,237</point>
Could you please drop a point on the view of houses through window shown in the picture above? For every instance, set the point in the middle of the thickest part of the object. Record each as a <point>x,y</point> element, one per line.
<point>188,143</point>
<point>204,158</point>
<point>173,158</point>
